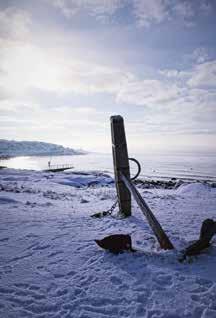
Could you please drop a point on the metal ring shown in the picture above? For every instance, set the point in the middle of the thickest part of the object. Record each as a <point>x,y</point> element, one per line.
<point>138,166</point>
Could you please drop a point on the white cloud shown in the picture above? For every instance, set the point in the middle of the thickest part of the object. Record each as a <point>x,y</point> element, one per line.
<point>14,30</point>
<point>147,92</point>
<point>170,73</point>
<point>173,106</point>
<point>97,8</point>
<point>14,24</point>
<point>70,125</point>
<point>183,9</point>
<point>147,12</point>
<point>26,67</point>
<point>199,55</point>
<point>205,6</point>
<point>144,12</point>
<point>204,75</point>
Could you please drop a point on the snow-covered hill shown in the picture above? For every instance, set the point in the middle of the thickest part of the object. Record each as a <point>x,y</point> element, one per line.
<point>33,148</point>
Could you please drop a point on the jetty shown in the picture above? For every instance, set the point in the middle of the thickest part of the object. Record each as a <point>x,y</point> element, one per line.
<point>58,168</point>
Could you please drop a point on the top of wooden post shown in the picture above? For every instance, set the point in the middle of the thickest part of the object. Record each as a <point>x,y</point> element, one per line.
<point>116,118</point>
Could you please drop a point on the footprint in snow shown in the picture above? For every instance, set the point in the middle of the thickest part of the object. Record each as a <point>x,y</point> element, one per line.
<point>34,287</point>
<point>84,201</point>
<point>53,254</point>
<point>41,247</point>
<point>195,298</point>
<point>4,239</point>
<point>71,273</point>
<point>204,282</point>
<point>6,291</point>
<point>61,292</point>
<point>115,280</point>
<point>163,280</point>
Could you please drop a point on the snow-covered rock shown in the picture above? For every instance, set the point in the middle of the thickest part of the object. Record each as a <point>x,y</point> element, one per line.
<point>194,189</point>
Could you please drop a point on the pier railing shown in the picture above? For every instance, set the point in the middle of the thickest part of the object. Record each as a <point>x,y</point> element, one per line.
<point>60,166</point>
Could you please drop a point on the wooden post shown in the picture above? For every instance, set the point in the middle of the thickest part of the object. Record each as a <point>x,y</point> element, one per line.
<point>153,222</point>
<point>121,163</point>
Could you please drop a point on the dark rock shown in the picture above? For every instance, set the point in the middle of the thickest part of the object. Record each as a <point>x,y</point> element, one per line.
<point>207,231</point>
<point>116,243</point>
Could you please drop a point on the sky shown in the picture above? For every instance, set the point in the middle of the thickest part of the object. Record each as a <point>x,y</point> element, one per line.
<point>66,66</point>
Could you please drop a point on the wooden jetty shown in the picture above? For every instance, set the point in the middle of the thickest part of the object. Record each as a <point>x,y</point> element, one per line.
<point>58,168</point>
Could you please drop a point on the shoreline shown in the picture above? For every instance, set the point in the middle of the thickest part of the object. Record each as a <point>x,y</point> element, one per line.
<point>142,182</point>
<point>171,184</point>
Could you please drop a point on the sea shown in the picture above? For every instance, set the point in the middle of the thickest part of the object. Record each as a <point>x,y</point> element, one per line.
<point>155,166</point>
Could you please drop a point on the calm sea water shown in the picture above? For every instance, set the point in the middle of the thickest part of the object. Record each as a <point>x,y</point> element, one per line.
<point>155,166</point>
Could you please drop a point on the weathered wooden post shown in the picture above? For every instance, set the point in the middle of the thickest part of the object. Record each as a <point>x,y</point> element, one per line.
<point>124,185</point>
<point>121,164</point>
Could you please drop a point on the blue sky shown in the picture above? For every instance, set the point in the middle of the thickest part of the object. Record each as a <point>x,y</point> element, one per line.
<point>66,66</point>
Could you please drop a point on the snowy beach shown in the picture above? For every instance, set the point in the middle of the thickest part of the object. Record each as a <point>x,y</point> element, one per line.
<point>99,98</point>
<point>50,265</point>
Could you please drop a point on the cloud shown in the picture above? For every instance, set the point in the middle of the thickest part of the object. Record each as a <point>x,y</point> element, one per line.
<point>170,73</point>
<point>178,103</point>
<point>144,12</point>
<point>14,31</point>
<point>3,93</point>
<point>148,12</point>
<point>14,24</point>
<point>70,125</point>
<point>27,67</point>
<point>206,7</point>
<point>97,8</point>
<point>203,75</point>
<point>183,9</point>
<point>199,55</point>
<point>147,92</point>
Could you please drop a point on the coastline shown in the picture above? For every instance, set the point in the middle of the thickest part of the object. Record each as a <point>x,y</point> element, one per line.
<point>158,172</point>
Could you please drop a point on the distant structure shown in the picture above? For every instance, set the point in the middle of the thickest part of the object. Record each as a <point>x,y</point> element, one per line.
<point>58,168</point>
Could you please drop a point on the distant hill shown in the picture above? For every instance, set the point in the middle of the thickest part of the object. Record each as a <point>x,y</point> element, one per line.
<point>12,148</point>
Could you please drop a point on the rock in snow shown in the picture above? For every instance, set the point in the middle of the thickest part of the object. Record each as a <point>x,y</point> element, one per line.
<point>50,265</point>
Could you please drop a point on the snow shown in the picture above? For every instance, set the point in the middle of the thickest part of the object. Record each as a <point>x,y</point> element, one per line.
<point>50,265</point>
<point>85,179</point>
<point>33,148</point>
<point>194,189</point>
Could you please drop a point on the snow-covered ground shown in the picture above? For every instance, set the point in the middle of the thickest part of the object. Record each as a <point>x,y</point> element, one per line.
<point>50,265</point>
